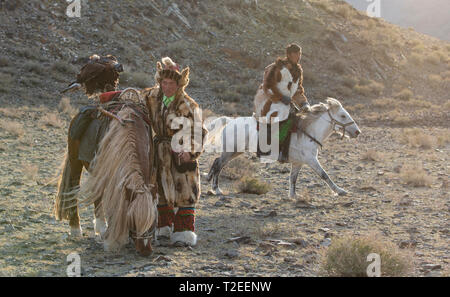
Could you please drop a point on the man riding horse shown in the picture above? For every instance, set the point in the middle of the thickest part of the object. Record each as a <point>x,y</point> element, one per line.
<point>178,170</point>
<point>282,85</point>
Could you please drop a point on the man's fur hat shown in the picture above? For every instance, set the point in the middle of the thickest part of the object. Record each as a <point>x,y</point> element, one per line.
<point>171,70</point>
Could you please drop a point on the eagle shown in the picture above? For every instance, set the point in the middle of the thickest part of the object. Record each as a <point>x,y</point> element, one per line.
<point>100,74</point>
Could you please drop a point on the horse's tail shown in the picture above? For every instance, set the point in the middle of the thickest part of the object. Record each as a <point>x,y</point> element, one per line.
<point>120,180</point>
<point>66,203</point>
<point>215,128</point>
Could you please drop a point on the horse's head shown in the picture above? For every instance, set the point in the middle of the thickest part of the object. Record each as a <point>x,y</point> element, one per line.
<point>341,119</point>
<point>142,220</point>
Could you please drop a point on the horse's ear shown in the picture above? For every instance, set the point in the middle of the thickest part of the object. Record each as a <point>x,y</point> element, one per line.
<point>184,81</point>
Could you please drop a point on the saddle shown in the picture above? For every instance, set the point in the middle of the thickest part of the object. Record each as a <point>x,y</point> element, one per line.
<point>92,121</point>
<point>286,128</point>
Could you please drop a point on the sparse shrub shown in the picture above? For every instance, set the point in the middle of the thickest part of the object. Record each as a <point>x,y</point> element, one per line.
<point>402,120</point>
<point>12,127</point>
<point>416,59</point>
<point>417,138</point>
<point>371,155</point>
<point>230,96</point>
<point>347,257</point>
<point>387,103</point>
<point>371,88</point>
<point>65,107</point>
<point>404,94</point>
<point>267,230</point>
<point>309,77</point>
<point>6,81</point>
<point>238,168</point>
<point>4,61</point>
<point>52,120</point>
<point>252,185</point>
<point>136,79</point>
<point>219,86</point>
<point>34,67</point>
<point>349,81</point>
<point>339,67</point>
<point>435,80</point>
<point>28,53</point>
<point>433,58</point>
<point>30,171</point>
<point>64,67</point>
<point>415,175</point>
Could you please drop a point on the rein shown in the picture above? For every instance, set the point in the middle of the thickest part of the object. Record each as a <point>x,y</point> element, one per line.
<point>333,121</point>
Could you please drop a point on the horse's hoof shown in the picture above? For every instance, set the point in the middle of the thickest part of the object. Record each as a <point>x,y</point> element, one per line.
<point>216,192</point>
<point>342,192</point>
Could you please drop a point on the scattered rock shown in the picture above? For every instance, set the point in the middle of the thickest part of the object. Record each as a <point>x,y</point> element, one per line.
<point>272,214</point>
<point>408,244</point>
<point>231,254</point>
<point>432,266</point>
<point>348,204</point>
<point>358,168</point>
<point>326,242</point>
<point>162,258</point>
<point>240,239</point>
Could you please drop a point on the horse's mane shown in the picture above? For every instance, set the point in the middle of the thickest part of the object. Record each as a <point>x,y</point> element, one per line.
<point>120,178</point>
<point>317,110</point>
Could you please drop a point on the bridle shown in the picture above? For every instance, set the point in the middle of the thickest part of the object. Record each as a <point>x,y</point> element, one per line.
<point>335,122</point>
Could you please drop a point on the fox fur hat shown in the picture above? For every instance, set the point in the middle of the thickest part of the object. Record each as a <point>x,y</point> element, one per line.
<point>169,69</point>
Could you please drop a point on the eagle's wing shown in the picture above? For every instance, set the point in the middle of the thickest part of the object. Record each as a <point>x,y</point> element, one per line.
<point>90,71</point>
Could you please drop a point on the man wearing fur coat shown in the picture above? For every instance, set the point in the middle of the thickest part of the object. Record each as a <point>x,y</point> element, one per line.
<point>179,138</point>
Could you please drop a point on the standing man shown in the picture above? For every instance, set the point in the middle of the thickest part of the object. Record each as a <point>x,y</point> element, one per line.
<point>179,138</point>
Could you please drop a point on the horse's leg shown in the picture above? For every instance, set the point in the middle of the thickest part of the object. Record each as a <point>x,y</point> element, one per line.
<point>295,169</point>
<point>100,225</point>
<point>315,165</point>
<point>66,204</point>
<point>216,168</point>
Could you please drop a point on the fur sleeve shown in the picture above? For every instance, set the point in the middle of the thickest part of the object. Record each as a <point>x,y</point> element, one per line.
<point>299,96</point>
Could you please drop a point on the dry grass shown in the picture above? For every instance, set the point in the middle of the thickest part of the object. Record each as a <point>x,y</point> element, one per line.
<point>66,108</point>
<point>372,155</point>
<point>387,103</point>
<point>136,79</point>
<point>369,88</point>
<point>417,138</point>
<point>30,171</point>
<point>238,168</point>
<point>51,120</point>
<point>12,127</point>
<point>6,81</point>
<point>253,185</point>
<point>267,230</point>
<point>415,175</point>
<point>347,257</point>
<point>404,94</point>
<point>35,67</point>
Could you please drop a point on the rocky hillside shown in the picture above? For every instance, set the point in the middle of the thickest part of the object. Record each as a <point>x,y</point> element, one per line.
<point>227,45</point>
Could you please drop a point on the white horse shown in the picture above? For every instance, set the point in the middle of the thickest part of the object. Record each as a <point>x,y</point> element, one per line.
<point>237,134</point>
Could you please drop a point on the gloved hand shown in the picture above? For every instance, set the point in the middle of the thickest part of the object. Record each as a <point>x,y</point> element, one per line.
<point>305,107</point>
<point>286,100</point>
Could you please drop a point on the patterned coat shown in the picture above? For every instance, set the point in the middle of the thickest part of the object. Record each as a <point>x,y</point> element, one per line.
<point>179,183</point>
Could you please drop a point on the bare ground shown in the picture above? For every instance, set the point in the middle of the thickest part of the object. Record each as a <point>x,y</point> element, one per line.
<point>280,237</point>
